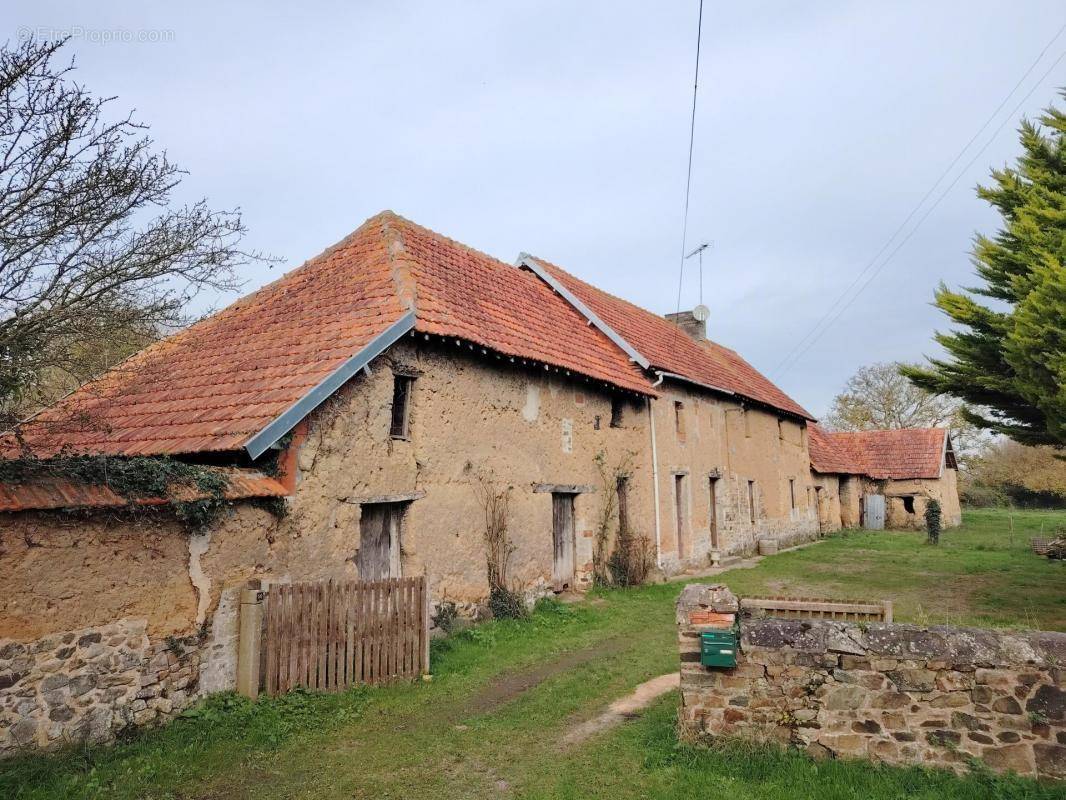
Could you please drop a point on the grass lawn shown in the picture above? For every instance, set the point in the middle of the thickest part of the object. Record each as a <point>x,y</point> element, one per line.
<point>977,575</point>
<point>490,722</point>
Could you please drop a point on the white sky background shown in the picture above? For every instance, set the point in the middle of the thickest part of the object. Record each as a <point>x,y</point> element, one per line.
<point>561,128</point>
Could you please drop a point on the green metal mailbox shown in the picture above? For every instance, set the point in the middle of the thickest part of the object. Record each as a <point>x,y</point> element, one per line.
<point>719,648</point>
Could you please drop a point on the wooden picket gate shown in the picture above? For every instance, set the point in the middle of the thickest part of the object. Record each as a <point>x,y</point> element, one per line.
<point>330,635</point>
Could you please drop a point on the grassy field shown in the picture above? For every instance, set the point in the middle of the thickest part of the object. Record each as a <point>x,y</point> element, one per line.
<point>977,575</point>
<point>490,723</point>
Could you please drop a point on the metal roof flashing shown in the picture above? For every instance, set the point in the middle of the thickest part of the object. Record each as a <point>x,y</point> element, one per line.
<point>531,263</point>
<point>262,441</point>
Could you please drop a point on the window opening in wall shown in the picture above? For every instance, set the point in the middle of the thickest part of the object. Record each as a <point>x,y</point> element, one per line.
<point>792,492</point>
<point>679,505</point>
<point>751,501</point>
<point>380,533</point>
<point>679,419</point>
<point>401,401</point>
<point>712,511</point>
<point>781,430</point>
<point>908,505</point>
<point>621,488</point>
<point>596,422</point>
<point>617,408</point>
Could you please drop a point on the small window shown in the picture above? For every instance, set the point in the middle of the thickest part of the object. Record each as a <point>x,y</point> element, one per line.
<point>401,401</point>
<point>596,422</point>
<point>781,430</point>
<point>622,490</point>
<point>751,501</point>
<point>617,409</point>
<point>792,492</point>
<point>679,419</point>
<point>908,505</point>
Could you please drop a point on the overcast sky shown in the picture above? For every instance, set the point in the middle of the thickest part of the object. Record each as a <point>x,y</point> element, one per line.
<point>561,128</point>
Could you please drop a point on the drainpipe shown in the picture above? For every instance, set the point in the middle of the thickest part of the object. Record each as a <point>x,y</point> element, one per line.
<point>655,480</point>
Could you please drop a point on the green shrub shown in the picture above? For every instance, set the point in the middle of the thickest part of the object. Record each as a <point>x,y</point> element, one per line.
<point>932,521</point>
<point>446,617</point>
<point>505,603</point>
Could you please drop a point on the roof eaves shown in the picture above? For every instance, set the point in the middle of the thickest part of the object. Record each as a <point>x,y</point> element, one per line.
<point>531,263</point>
<point>260,442</point>
<point>674,376</point>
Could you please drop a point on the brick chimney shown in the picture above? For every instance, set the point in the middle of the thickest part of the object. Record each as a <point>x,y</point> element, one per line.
<point>690,325</point>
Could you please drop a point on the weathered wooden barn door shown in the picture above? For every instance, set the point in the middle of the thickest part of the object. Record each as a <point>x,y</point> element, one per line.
<point>873,512</point>
<point>562,540</point>
<point>379,539</point>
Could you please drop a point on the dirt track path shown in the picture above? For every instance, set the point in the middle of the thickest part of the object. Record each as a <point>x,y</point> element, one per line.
<point>624,708</point>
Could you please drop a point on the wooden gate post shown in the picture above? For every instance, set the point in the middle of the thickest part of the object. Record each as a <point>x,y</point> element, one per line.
<point>251,628</point>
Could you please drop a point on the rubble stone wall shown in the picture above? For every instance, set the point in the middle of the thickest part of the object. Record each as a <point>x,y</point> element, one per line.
<point>88,684</point>
<point>895,693</point>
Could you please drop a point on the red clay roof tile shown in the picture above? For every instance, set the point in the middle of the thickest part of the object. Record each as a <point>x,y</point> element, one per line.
<point>670,349</point>
<point>215,385</point>
<point>883,455</point>
<point>43,493</point>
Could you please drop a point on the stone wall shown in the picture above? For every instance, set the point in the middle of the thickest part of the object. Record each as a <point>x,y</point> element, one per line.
<point>721,442</point>
<point>88,684</point>
<point>896,693</point>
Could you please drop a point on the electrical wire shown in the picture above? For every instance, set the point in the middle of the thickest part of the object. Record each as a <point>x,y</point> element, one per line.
<point>898,247</point>
<point>798,348</point>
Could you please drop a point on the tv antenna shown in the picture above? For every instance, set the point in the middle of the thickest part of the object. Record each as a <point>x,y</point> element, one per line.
<point>700,312</point>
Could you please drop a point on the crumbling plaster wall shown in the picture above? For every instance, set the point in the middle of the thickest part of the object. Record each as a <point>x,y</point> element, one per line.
<point>471,420</point>
<point>897,517</point>
<point>738,445</point>
<point>827,498</point>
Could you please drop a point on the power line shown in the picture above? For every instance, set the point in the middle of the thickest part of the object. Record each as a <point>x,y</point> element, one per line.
<point>925,216</point>
<point>796,351</point>
<point>691,140</point>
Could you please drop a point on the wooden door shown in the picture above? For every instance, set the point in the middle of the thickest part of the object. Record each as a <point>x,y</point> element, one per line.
<point>679,507</point>
<point>874,512</point>
<point>379,540</point>
<point>712,511</point>
<point>562,540</point>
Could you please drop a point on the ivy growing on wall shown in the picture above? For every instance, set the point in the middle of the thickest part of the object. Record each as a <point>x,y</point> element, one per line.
<point>134,479</point>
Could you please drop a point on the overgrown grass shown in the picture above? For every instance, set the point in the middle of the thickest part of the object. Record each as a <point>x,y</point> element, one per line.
<point>502,696</point>
<point>978,575</point>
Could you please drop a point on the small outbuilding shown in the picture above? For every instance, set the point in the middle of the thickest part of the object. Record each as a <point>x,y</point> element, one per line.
<point>883,479</point>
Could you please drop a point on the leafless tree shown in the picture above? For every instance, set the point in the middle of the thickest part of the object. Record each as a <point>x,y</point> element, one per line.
<point>91,249</point>
<point>878,397</point>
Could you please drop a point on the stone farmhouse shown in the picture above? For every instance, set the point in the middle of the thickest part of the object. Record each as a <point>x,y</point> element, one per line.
<point>357,410</point>
<point>889,475</point>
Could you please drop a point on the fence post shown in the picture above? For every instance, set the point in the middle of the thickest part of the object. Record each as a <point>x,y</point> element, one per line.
<point>888,610</point>
<point>251,626</point>
<point>425,624</point>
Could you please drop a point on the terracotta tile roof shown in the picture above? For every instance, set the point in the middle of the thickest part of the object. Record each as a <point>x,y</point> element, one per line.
<point>43,493</point>
<point>469,295</point>
<point>883,455</point>
<point>826,455</point>
<point>217,384</point>
<point>670,349</point>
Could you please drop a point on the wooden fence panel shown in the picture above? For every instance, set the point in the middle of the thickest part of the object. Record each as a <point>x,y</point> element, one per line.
<point>808,608</point>
<point>331,635</point>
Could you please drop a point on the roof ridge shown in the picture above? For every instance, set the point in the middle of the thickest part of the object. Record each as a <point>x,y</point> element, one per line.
<point>660,317</point>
